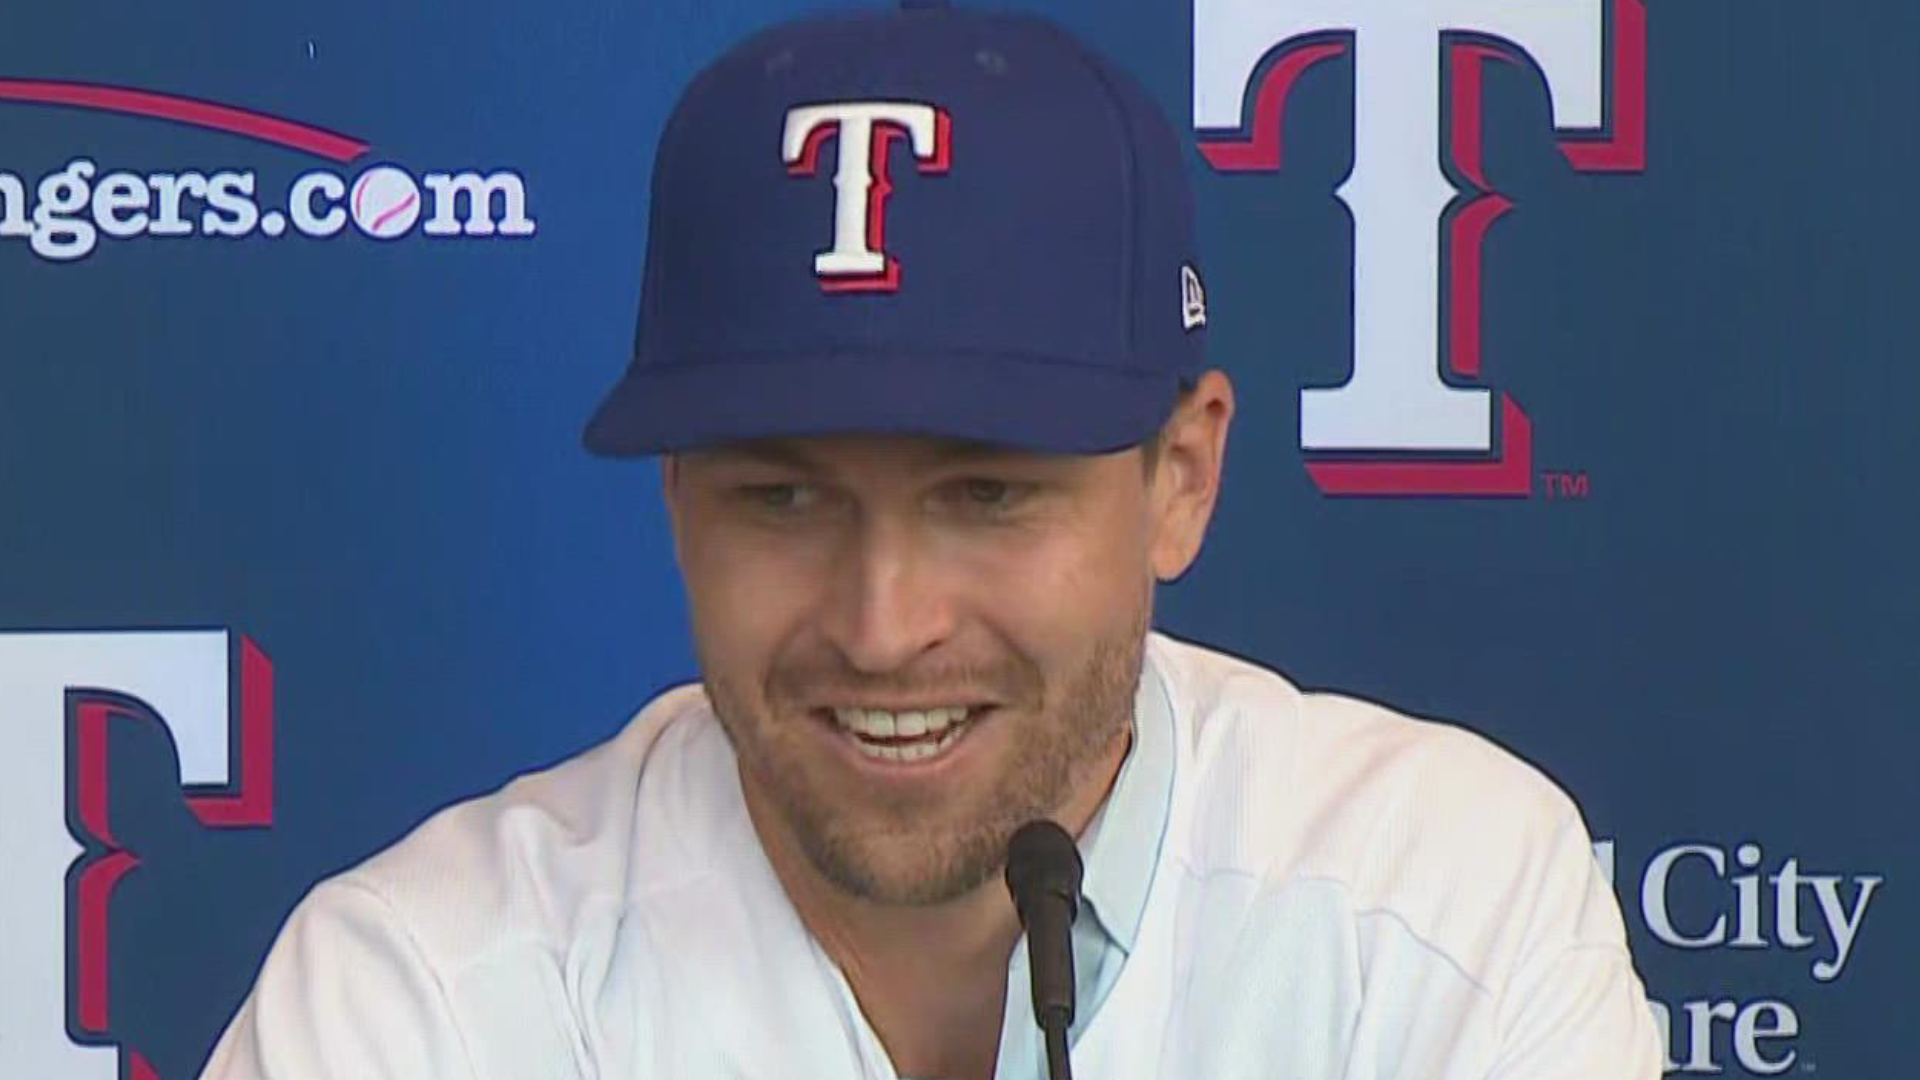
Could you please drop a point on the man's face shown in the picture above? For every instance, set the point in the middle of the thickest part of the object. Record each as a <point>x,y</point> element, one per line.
<point>1003,595</point>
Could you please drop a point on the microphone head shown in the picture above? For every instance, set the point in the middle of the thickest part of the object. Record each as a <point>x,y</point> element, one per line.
<point>1042,860</point>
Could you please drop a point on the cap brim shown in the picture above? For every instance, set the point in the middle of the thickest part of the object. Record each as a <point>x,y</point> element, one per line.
<point>1024,402</point>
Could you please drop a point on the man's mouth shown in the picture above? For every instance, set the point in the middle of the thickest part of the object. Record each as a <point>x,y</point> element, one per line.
<point>907,735</point>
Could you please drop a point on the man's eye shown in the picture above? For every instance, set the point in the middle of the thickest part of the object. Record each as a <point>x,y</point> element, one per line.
<point>780,497</point>
<point>988,494</point>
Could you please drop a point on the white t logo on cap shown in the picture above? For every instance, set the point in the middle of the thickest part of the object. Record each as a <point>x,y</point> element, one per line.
<point>858,260</point>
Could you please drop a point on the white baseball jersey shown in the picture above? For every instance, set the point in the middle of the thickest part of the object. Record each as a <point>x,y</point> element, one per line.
<point>1342,893</point>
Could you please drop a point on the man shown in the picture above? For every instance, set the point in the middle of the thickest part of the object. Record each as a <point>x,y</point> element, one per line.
<point>933,421</point>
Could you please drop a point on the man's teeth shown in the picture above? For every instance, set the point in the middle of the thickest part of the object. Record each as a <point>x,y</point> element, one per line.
<point>932,730</point>
<point>882,724</point>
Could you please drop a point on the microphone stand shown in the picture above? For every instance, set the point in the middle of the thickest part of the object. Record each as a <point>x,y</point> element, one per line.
<point>1059,1066</point>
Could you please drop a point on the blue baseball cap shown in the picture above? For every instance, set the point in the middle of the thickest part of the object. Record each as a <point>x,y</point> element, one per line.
<point>923,221</point>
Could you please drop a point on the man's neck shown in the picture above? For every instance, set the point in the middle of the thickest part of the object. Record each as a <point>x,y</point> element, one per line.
<point>931,979</point>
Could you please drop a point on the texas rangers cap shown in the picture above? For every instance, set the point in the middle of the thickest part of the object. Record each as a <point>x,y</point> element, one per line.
<point>921,221</point>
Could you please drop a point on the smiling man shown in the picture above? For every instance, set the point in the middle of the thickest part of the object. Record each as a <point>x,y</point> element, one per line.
<point>921,355</point>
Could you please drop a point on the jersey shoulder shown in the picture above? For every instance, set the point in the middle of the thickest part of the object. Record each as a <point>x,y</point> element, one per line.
<point>550,850</point>
<point>1414,820</point>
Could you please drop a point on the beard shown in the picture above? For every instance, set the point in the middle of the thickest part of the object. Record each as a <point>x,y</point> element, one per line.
<point>934,847</point>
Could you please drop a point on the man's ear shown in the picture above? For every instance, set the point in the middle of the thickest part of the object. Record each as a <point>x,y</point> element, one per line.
<point>1185,483</point>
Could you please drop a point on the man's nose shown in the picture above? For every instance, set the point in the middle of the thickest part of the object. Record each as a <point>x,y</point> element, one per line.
<point>888,601</point>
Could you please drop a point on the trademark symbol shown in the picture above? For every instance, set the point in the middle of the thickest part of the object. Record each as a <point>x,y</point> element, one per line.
<point>1566,485</point>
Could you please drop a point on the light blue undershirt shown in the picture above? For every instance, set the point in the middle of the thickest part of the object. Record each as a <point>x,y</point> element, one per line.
<point>1120,848</point>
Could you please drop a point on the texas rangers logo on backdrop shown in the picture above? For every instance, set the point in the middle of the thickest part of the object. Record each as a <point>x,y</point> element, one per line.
<point>1417,416</point>
<point>64,852</point>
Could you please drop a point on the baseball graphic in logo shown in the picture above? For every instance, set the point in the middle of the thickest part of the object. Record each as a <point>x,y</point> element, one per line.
<point>385,202</point>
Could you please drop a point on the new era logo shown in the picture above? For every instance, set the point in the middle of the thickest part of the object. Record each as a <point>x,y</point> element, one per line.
<point>1193,299</point>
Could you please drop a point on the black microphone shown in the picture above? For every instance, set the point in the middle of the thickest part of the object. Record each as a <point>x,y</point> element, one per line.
<point>1043,873</point>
